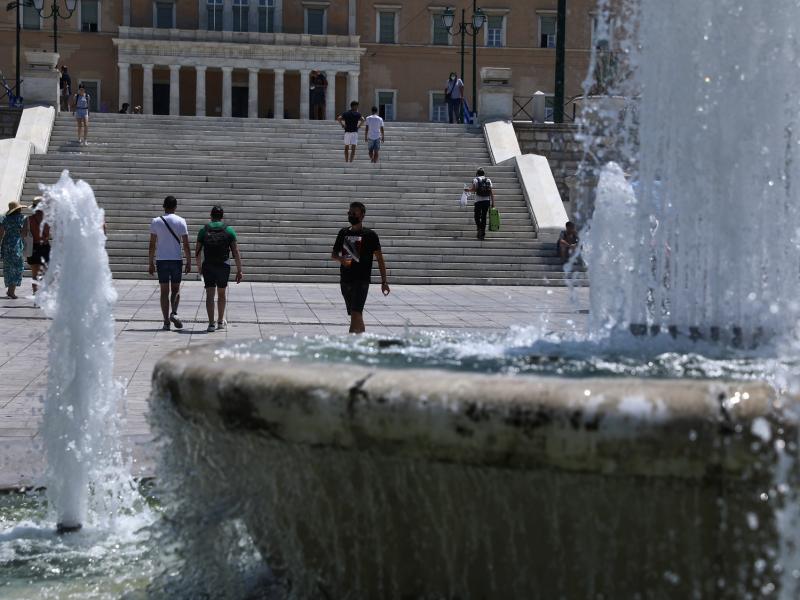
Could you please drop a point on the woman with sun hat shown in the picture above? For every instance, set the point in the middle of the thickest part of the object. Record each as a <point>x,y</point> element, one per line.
<point>12,247</point>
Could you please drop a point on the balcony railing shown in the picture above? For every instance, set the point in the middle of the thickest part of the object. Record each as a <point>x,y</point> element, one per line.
<point>238,37</point>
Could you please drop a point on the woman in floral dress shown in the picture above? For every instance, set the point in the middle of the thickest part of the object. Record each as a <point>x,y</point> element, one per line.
<point>12,247</point>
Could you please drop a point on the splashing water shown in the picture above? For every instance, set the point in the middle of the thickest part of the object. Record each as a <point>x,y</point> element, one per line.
<point>708,233</point>
<point>81,437</point>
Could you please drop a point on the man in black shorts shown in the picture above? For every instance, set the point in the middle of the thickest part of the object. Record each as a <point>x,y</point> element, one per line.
<point>217,241</point>
<point>353,250</point>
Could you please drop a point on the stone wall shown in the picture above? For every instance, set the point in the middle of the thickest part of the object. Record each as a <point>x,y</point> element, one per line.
<point>9,121</point>
<point>556,142</point>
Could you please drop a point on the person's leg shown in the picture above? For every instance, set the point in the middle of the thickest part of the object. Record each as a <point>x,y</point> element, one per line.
<point>460,110</point>
<point>357,322</point>
<point>345,153</point>
<point>450,111</point>
<point>221,301</point>
<point>85,129</point>
<point>10,292</point>
<point>35,268</point>
<point>352,152</point>
<point>484,213</point>
<point>78,123</point>
<point>165,302</point>
<point>210,292</point>
<point>174,300</point>
<point>477,216</point>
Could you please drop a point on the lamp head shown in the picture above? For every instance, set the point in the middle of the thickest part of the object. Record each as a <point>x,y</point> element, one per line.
<point>71,5</point>
<point>38,4</point>
<point>478,19</point>
<point>448,18</point>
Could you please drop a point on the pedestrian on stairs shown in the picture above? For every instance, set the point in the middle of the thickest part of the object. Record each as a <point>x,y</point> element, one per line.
<point>374,135</point>
<point>168,233</point>
<point>353,250</point>
<point>454,95</point>
<point>81,105</point>
<point>484,198</point>
<point>350,120</point>
<point>217,241</point>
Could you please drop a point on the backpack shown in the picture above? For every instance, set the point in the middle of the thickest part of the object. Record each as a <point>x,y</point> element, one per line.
<point>216,244</point>
<point>483,187</point>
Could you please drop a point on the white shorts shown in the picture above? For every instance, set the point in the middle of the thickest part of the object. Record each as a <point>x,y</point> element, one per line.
<point>350,138</point>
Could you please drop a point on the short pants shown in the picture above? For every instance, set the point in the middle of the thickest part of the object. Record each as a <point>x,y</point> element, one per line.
<point>216,275</point>
<point>374,144</point>
<point>82,114</point>
<point>355,295</point>
<point>169,271</point>
<point>40,255</point>
<point>350,138</point>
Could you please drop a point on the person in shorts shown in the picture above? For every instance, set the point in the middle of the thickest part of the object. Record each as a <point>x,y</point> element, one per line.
<point>353,250</point>
<point>350,120</point>
<point>168,234</point>
<point>40,249</point>
<point>82,101</point>
<point>374,135</point>
<point>217,242</point>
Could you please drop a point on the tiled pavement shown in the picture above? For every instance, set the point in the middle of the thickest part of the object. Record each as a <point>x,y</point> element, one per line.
<point>254,310</point>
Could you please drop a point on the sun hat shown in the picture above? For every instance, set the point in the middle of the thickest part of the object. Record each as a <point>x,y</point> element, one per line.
<point>14,206</point>
<point>36,201</point>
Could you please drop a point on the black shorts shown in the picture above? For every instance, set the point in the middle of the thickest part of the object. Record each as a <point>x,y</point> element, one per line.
<point>40,255</point>
<point>216,275</point>
<point>355,295</point>
<point>169,271</point>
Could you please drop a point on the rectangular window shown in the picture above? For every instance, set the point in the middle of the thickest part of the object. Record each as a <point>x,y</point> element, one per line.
<point>240,15</point>
<point>386,21</point>
<point>438,107</point>
<point>494,31</point>
<point>90,15</point>
<point>30,18</point>
<point>266,16</point>
<point>441,37</point>
<point>164,15</point>
<point>315,21</point>
<point>547,32</point>
<point>215,15</point>
<point>386,104</point>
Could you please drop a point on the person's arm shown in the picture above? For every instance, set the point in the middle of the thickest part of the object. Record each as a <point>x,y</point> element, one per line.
<point>361,121</point>
<point>491,190</point>
<point>187,252</point>
<point>366,133</point>
<point>151,254</point>
<point>2,233</point>
<point>337,251</point>
<point>382,267</point>
<point>340,121</point>
<point>238,259</point>
<point>472,188</point>
<point>198,248</point>
<point>383,137</point>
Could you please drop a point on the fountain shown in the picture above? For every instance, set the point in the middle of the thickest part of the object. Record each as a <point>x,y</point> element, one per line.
<point>360,471</point>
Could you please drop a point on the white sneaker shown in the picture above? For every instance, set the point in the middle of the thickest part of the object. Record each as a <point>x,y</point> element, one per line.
<point>222,325</point>
<point>210,327</point>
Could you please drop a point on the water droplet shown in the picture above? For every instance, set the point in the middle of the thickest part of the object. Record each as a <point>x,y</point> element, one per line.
<point>587,393</point>
<point>752,521</point>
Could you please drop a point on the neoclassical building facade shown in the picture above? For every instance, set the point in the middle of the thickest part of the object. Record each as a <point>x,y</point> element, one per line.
<point>256,58</point>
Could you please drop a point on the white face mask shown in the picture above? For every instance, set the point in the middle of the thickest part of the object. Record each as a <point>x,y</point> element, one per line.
<point>452,77</point>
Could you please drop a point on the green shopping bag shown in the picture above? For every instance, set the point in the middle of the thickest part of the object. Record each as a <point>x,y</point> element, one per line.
<point>494,219</point>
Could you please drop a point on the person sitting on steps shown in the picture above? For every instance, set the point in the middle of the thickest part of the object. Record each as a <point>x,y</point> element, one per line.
<point>568,241</point>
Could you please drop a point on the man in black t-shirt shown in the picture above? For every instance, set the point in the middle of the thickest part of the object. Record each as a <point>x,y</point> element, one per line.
<point>350,120</point>
<point>353,250</point>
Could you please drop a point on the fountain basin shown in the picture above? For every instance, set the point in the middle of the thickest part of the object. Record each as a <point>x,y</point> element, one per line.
<point>364,481</point>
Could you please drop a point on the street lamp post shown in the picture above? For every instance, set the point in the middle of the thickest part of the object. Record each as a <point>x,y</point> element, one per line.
<point>17,4</point>
<point>55,14</point>
<point>561,35</point>
<point>467,28</point>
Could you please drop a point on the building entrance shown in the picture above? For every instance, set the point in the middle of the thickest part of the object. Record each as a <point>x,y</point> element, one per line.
<point>239,102</point>
<point>160,98</point>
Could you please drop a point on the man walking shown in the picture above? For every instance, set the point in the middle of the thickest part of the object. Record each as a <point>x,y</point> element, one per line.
<point>374,135</point>
<point>484,196</point>
<point>350,120</point>
<point>217,241</point>
<point>167,234</point>
<point>353,250</point>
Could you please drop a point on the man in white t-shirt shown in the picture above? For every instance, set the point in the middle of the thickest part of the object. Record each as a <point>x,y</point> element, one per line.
<point>373,134</point>
<point>167,234</point>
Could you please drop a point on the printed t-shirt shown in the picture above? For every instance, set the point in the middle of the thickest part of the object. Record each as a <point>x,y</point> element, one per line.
<point>351,120</point>
<point>201,235</point>
<point>374,124</point>
<point>167,247</point>
<point>360,246</point>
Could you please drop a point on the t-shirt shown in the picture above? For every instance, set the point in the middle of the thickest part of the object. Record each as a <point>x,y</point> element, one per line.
<point>217,225</point>
<point>454,87</point>
<point>167,247</point>
<point>360,246</point>
<point>351,120</point>
<point>374,124</point>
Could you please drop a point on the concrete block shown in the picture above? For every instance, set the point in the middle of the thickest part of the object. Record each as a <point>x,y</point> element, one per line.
<point>36,126</point>
<point>541,193</point>
<point>14,157</point>
<point>41,78</point>
<point>502,141</point>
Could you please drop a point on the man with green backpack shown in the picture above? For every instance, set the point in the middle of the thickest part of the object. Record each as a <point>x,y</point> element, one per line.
<point>217,241</point>
<point>484,198</point>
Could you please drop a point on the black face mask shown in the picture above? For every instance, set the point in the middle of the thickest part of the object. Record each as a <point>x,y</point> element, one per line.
<point>354,220</point>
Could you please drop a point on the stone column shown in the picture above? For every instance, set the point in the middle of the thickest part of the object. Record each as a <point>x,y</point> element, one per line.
<point>252,94</point>
<point>330,96</point>
<point>147,90</point>
<point>304,94</point>
<point>227,90</point>
<point>352,87</point>
<point>174,89</point>
<point>200,91</point>
<point>124,84</point>
<point>227,15</point>
<point>278,100</point>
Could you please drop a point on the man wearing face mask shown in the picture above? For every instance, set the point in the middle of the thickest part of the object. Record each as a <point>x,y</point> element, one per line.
<point>454,94</point>
<point>353,250</point>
